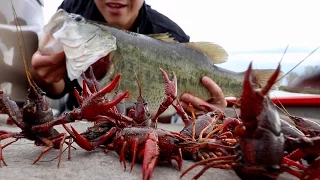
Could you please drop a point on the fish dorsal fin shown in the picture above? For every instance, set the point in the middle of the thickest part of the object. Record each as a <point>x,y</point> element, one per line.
<point>262,76</point>
<point>166,37</point>
<point>214,51</point>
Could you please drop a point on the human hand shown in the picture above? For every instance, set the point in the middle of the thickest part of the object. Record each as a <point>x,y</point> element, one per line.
<point>50,68</point>
<point>217,102</point>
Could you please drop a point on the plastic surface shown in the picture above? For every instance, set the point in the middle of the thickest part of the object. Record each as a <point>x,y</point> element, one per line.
<point>303,100</point>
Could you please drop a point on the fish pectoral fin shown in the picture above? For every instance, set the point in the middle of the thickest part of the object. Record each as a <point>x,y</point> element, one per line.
<point>214,51</point>
<point>165,37</point>
<point>262,76</point>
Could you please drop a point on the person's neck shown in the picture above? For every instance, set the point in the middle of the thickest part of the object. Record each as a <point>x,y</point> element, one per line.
<point>128,26</point>
<point>134,21</point>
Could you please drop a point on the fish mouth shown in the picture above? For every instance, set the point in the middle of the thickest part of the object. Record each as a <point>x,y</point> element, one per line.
<point>115,8</point>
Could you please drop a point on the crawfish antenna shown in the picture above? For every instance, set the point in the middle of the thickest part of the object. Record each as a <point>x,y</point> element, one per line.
<point>298,63</point>
<point>22,48</point>
<point>138,83</point>
<point>283,109</point>
<point>285,51</point>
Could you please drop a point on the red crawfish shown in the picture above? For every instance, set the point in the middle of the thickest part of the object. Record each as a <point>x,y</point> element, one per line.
<point>306,146</point>
<point>36,111</point>
<point>308,127</point>
<point>36,119</point>
<point>92,103</point>
<point>209,126</point>
<point>106,119</point>
<point>143,141</point>
<point>260,149</point>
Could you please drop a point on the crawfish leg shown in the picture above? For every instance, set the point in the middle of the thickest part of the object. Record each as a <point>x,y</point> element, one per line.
<point>134,152</point>
<point>91,81</point>
<point>122,155</point>
<point>212,146</point>
<point>2,147</point>
<point>223,164</point>
<point>61,139</point>
<point>84,143</point>
<point>212,162</point>
<point>50,144</point>
<point>178,159</point>
<point>288,168</point>
<point>62,119</point>
<point>202,154</point>
<point>313,171</point>
<point>181,112</point>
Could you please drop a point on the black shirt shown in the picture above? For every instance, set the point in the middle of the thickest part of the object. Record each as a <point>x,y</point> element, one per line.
<point>149,21</point>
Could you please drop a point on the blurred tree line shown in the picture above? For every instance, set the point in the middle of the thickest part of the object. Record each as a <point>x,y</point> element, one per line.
<point>293,77</point>
<point>308,70</point>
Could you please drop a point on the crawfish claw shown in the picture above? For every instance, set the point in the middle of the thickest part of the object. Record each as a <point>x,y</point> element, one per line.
<point>151,156</point>
<point>170,91</point>
<point>86,144</point>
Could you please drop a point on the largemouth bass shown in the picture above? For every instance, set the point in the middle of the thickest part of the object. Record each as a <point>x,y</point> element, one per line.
<point>142,55</point>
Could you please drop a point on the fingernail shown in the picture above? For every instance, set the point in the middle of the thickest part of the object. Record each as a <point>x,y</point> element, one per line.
<point>205,79</point>
<point>185,96</point>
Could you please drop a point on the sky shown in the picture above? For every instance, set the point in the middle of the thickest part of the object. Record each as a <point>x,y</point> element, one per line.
<point>249,30</point>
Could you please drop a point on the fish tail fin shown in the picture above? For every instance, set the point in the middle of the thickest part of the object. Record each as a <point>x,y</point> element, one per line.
<point>261,77</point>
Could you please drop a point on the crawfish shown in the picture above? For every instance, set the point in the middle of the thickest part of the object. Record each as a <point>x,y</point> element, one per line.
<point>92,102</point>
<point>137,131</point>
<point>207,124</point>
<point>106,120</point>
<point>260,148</point>
<point>36,111</point>
<point>306,146</point>
<point>143,141</point>
<point>306,126</point>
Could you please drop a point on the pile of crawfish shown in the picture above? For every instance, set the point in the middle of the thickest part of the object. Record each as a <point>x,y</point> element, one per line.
<point>255,144</point>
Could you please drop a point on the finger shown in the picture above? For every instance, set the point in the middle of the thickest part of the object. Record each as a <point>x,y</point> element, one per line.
<point>39,60</point>
<point>197,108</point>
<point>213,88</point>
<point>59,74</point>
<point>215,91</point>
<point>52,74</point>
<point>195,101</point>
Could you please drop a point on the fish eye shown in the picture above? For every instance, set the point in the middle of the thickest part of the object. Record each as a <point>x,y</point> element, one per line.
<point>78,18</point>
